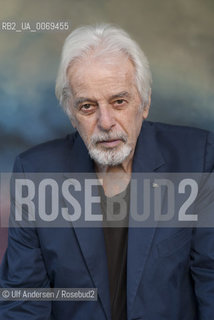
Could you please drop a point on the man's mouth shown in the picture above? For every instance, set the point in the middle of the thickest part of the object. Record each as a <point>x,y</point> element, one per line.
<point>110,143</point>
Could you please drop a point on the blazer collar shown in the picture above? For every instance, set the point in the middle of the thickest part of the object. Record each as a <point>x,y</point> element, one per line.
<point>147,156</point>
<point>79,159</point>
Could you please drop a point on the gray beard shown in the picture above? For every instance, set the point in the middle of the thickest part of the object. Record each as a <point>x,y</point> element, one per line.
<point>110,157</point>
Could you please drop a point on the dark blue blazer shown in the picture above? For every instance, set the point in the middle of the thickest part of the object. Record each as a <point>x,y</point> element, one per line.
<point>170,272</point>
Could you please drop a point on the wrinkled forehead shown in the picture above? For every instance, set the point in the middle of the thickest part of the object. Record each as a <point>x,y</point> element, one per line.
<point>101,70</point>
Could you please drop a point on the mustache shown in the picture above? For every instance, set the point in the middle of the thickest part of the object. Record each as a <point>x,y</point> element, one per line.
<point>108,137</point>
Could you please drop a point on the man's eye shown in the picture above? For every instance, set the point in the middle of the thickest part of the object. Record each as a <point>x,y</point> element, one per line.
<point>120,101</point>
<point>86,106</point>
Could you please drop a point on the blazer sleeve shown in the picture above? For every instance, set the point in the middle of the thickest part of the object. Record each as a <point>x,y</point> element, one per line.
<point>202,255</point>
<point>23,267</point>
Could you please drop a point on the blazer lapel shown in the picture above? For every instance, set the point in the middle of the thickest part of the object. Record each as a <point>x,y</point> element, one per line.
<point>91,239</point>
<point>147,158</point>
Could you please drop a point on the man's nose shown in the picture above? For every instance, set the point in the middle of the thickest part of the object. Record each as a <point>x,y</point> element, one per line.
<point>106,119</point>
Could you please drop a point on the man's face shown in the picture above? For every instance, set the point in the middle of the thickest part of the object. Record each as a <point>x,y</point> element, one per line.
<point>106,107</point>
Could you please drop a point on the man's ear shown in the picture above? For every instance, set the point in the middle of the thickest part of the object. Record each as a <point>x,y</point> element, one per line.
<point>72,118</point>
<point>147,107</point>
<point>73,122</point>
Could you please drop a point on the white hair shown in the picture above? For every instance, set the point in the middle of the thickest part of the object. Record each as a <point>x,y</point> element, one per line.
<point>107,39</point>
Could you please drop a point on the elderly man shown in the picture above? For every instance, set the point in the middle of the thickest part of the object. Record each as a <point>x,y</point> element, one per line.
<point>104,85</point>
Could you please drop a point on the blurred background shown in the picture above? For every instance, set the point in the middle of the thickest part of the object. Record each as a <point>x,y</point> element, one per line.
<point>176,35</point>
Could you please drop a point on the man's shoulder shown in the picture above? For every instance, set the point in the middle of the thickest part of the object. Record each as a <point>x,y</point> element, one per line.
<point>191,148</point>
<point>181,135</point>
<point>47,155</point>
<point>180,129</point>
<point>50,146</point>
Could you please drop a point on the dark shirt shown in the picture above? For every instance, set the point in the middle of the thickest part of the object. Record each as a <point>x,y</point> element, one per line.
<point>116,241</point>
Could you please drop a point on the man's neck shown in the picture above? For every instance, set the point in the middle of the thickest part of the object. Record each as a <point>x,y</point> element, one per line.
<point>114,179</point>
